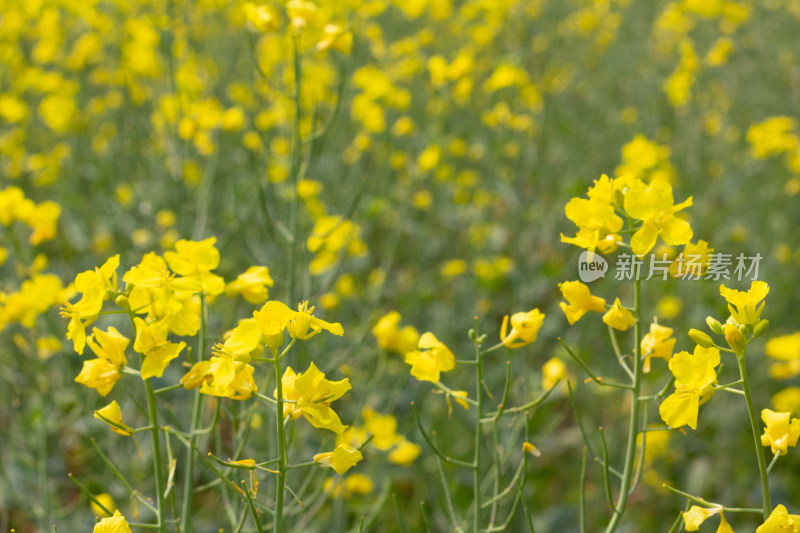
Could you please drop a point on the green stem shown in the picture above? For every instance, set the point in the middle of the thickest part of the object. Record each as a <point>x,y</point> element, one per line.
<point>280,482</point>
<point>157,468</point>
<point>197,413</point>
<point>633,423</point>
<point>476,474</point>
<point>754,425</point>
<point>158,471</point>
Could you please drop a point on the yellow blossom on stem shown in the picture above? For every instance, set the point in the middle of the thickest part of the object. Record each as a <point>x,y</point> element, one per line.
<point>696,515</point>
<point>194,260</point>
<point>780,521</point>
<point>341,459</point>
<point>94,286</point>
<point>744,306</point>
<point>303,320</point>
<point>112,413</point>
<point>695,375</point>
<point>653,204</point>
<point>151,341</point>
<point>580,300</point>
<point>659,342</point>
<point>252,285</point>
<point>780,432</point>
<point>241,341</point>
<point>524,328</point>
<point>197,375</point>
<point>618,317</point>
<point>693,261</point>
<point>226,378</point>
<point>432,358</point>
<point>734,337</point>
<point>114,524</point>
<point>273,318</point>
<point>311,395</point>
<point>596,221</point>
<point>103,372</point>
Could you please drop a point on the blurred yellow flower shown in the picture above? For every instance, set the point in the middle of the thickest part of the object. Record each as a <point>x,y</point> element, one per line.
<point>251,284</point>
<point>107,501</point>
<point>553,371</point>
<point>776,135</point>
<point>787,399</point>
<point>262,17</point>
<point>404,453</point>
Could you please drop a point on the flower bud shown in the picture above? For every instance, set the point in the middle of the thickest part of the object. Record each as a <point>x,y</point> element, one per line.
<point>122,301</point>
<point>700,338</point>
<point>714,325</point>
<point>760,328</point>
<point>734,338</point>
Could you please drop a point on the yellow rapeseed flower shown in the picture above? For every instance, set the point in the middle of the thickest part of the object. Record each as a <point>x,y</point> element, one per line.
<point>194,260</point>
<point>103,372</point>
<point>312,395</point>
<point>695,375</point>
<point>580,300</point>
<point>151,341</point>
<point>744,306</point>
<point>432,358</point>
<point>653,204</point>
<point>524,328</point>
<point>114,524</point>
<point>696,515</point>
<point>341,459</point>
<point>112,413</point>
<point>659,342</point>
<point>618,317</point>
<point>780,521</point>
<point>780,432</point>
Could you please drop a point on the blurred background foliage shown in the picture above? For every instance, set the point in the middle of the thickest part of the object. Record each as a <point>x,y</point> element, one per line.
<point>441,146</point>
